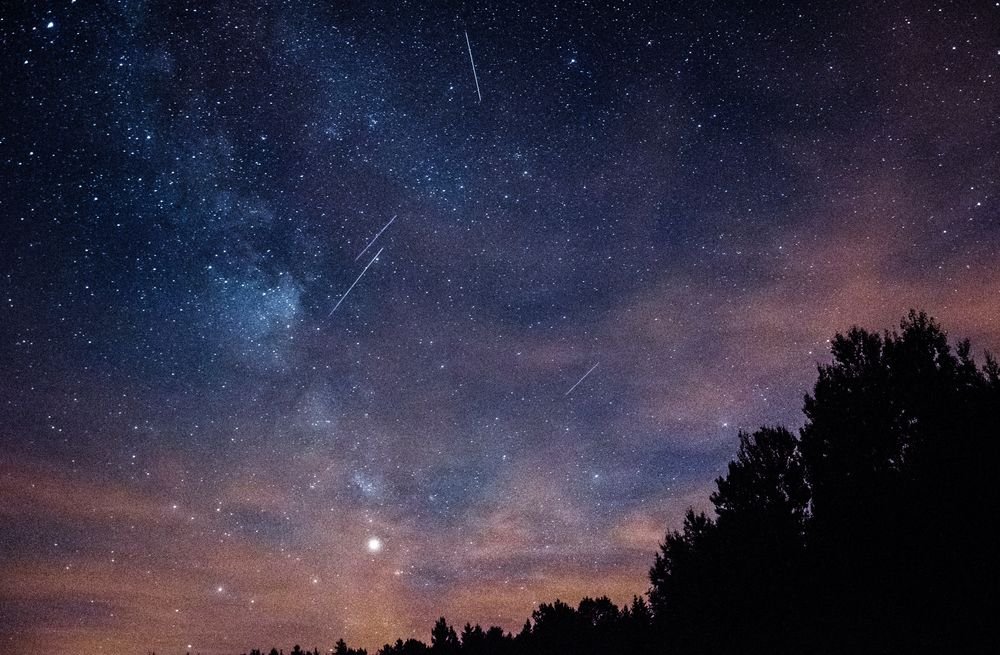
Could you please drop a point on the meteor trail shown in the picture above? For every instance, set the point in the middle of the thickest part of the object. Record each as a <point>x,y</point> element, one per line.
<point>581,379</point>
<point>355,282</point>
<point>376,236</point>
<point>471,61</point>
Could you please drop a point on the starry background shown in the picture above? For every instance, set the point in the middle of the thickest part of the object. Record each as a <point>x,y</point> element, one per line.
<point>197,453</point>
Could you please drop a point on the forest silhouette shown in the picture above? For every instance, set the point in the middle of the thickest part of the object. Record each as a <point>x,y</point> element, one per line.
<point>866,532</point>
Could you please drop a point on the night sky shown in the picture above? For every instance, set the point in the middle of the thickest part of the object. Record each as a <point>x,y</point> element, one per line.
<point>635,244</point>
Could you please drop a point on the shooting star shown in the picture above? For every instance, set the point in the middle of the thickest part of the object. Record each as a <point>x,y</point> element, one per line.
<point>376,237</point>
<point>365,269</point>
<point>472,61</point>
<point>581,379</point>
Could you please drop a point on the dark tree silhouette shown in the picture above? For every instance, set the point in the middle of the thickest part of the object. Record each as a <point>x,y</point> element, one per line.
<point>408,647</point>
<point>863,535</point>
<point>497,642</point>
<point>443,638</point>
<point>761,507</point>
<point>341,648</point>
<point>899,445</point>
<point>635,627</point>
<point>555,628</point>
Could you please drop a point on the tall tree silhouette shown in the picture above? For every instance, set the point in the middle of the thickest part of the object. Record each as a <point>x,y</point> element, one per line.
<point>761,505</point>
<point>731,582</point>
<point>900,439</point>
<point>859,535</point>
<point>443,638</point>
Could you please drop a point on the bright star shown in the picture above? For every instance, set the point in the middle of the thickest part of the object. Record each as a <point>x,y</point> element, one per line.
<point>374,545</point>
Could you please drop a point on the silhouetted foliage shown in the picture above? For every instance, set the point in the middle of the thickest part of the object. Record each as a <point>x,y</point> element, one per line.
<point>408,647</point>
<point>862,535</point>
<point>341,648</point>
<point>444,641</point>
<point>899,448</point>
<point>866,533</point>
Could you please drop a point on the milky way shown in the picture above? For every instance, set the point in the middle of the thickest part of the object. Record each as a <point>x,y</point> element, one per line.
<point>197,453</point>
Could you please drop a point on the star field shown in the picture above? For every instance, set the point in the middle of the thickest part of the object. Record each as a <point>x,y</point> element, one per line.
<point>300,339</point>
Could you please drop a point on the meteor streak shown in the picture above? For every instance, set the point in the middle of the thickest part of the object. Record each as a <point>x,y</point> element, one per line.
<point>471,61</point>
<point>355,282</point>
<point>376,237</point>
<point>581,379</point>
